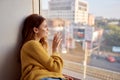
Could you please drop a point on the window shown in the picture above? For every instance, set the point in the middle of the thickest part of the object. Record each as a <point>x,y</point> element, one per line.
<point>91,43</point>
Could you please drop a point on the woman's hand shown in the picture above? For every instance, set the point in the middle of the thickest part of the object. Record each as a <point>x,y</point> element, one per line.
<point>56,42</point>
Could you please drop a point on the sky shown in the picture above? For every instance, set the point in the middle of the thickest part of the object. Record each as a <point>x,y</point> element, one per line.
<point>105,8</point>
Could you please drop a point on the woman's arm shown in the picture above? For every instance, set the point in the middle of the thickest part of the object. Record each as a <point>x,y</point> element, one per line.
<point>35,52</point>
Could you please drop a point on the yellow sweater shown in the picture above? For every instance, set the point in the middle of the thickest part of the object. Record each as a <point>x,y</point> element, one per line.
<point>36,63</point>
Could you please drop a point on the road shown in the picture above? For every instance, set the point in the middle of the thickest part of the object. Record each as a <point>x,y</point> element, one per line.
<point>101,62</point>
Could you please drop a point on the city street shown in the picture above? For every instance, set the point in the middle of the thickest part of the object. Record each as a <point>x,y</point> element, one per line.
<point>98,67</point>
<point>102,62</point>
<point>94,60</point>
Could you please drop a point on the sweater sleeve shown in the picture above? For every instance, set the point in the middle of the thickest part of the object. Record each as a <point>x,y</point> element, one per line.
<point>35,51</point>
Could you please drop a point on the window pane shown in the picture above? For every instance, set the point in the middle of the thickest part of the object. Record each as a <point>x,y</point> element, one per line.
<point>91,42</point>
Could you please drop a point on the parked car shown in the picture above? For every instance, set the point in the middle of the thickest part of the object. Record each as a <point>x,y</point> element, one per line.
<point>111,59</point>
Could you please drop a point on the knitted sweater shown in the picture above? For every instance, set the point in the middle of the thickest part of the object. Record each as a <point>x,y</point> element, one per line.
<point>36,63</point>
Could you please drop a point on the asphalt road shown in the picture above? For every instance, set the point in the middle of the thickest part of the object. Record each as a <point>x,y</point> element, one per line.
<point>102,62</point>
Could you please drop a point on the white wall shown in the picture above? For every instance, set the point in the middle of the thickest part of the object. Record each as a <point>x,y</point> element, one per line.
<point>12,12</point>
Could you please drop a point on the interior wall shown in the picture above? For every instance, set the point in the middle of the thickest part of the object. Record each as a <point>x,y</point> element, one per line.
<point>12,13</point>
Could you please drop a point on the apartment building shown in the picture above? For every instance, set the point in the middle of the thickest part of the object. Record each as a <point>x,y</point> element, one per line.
<point>73,10</point>
<point>91,20</point>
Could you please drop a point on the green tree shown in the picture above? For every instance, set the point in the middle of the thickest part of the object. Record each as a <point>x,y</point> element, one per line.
<point>112,36</point>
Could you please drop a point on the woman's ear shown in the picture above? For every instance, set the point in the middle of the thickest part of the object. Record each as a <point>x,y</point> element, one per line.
<point>35,30</point>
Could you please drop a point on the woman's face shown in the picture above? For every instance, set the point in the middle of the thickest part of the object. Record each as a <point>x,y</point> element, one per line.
<point>42,30</point>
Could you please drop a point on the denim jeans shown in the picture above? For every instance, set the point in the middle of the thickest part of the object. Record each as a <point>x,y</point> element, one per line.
<point>52,79</point>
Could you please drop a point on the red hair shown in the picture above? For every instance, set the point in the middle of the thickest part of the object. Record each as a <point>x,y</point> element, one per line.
<point>33,20</point>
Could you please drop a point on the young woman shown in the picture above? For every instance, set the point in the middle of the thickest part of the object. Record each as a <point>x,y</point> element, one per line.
<point>36,63</point>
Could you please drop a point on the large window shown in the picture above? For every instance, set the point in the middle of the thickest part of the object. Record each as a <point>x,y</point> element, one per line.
<point>91,43</point>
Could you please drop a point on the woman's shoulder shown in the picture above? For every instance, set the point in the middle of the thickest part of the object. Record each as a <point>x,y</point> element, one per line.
<point>32,43</point>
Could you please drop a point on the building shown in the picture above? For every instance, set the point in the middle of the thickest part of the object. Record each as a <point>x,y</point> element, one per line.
<point>113,23</point>
<point>91,20</point>
<point>73,10</point>
<point>44,13</point>
<point>57,22</point>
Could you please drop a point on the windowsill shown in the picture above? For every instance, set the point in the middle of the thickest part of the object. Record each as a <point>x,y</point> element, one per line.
<point>73,74</point>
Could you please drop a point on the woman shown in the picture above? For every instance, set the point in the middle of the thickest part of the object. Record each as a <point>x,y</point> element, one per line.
<point>36,63</point>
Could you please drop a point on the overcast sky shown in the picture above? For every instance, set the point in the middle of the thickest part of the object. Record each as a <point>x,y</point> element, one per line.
<point>105,8</point>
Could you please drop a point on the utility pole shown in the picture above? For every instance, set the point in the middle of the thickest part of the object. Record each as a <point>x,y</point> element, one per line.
<point>85,61</point>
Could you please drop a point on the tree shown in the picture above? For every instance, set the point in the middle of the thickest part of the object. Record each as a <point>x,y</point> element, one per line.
<point>112,36</point>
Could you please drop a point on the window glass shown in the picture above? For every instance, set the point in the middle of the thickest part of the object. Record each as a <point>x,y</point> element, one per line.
<point>91,36</point>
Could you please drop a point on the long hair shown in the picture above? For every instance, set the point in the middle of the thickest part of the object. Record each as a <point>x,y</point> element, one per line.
<point>33,20</point>
<point>30,22</point>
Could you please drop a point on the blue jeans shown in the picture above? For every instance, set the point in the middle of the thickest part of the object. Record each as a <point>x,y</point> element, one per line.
<point>52,79</point>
